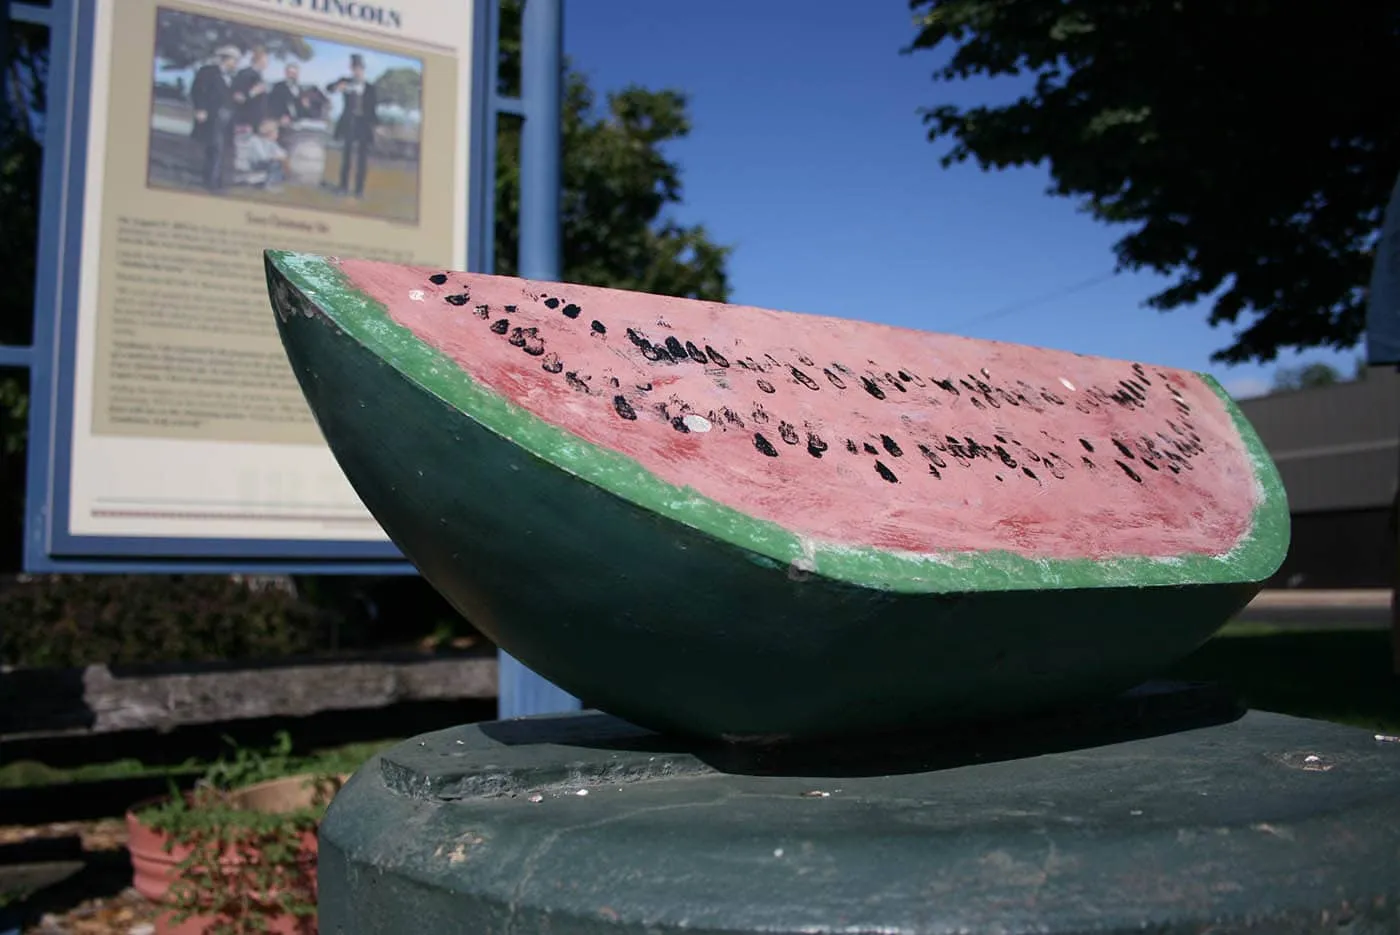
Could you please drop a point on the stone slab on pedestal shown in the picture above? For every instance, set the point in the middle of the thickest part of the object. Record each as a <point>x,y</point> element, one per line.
<point>1164,810</point>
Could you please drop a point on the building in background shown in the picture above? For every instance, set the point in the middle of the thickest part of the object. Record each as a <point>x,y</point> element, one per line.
<point>1338,450</point>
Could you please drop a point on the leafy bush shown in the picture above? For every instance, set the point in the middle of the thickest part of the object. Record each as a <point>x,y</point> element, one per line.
<point>245,868</point>
<point>76,620</point>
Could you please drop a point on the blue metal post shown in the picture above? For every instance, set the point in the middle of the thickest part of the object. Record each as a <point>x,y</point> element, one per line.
<point>521,691</point>
<point>541,87</point>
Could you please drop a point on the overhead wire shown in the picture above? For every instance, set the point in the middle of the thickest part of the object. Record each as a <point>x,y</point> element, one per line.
<point>1023,304</point>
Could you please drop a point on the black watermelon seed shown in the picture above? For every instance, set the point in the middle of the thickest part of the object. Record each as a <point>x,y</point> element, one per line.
<point>624,408</point>
<point>551,303</point>
<point>788,432</point>
<point>459,300</point>
<point>598,327</point>
<point>570,311</point>
<point>764,445</point>
<point>805,380</point>
<point>1129,471</point>
<point>676,349</point>
<point>500,325</point>
<point>870,449</point>
<point>886,473</point>
<point>871,388</point>
<point>834,379</point>
<point>765,385</point>
<point>716,357</point>
<point>530,341</point>
<point>891,446</point>
<point>437,279</point>
<point>679,425</point>
<point>851,447</point>
<point>815,446</point>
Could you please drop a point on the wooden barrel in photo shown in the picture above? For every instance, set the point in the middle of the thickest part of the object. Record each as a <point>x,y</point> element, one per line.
<point>305,143</point>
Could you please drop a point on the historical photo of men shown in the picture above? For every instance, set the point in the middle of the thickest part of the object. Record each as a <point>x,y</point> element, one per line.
<point>245,111</point>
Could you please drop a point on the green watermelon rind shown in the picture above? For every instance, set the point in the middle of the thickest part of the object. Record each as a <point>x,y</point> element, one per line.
<point>1253,559</point>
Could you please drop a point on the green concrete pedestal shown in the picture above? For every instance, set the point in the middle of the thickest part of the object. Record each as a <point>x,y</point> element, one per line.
<point>1163,811</point>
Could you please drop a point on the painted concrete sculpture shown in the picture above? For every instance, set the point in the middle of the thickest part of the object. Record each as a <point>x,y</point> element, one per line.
<point>747,524</point>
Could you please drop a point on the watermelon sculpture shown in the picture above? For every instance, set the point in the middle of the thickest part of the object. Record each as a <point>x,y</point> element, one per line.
<point>748,524</point>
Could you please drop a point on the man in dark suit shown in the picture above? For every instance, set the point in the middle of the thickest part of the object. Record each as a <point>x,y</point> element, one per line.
<point>284,101</point>
<point>211,93</point>
<point>250,91</point>
<point>358,119</point>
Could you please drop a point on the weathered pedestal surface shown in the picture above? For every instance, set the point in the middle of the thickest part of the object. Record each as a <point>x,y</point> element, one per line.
<point>1161,811</point>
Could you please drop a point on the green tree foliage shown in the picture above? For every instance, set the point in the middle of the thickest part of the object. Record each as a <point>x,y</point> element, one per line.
<point>1249,147</point>
<point>187,39</point>
<point>618,185</point>
<point>401,86</point>
<point>1307,377</point>
<point>21,159</point>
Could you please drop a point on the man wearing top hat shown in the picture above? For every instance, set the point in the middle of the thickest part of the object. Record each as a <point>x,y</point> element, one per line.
<point>358,119</point>
<point>211,94</point>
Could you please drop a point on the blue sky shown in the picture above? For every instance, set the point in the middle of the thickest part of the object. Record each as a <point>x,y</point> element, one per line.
<point>809,157</point>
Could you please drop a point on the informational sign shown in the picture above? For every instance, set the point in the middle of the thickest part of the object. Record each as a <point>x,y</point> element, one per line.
<point>206,131</point>
<point>1383,304</point>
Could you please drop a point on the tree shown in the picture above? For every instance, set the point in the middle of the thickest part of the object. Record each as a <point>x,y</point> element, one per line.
<point>400,86</point>
<point>1306,377</point>
<point>617,187</point>
<point>1249,147</point>
<point>21,158</point>
<point>187,39</point>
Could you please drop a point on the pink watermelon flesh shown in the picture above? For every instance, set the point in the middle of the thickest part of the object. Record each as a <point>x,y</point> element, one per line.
<point>850,432</point>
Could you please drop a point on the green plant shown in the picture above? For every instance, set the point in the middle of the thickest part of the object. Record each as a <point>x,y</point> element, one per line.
<point>75,620</point>
<point>242,867</point>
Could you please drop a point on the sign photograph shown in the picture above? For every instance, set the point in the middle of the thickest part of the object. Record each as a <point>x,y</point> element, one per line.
<point>214,131</point>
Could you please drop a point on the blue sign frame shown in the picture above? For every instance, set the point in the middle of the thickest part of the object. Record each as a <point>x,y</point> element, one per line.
<point>49,546</point>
